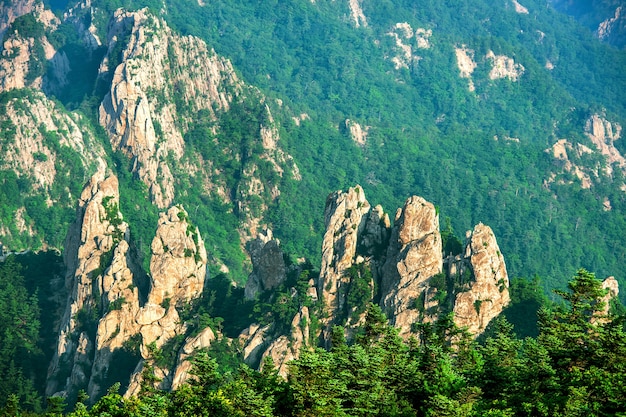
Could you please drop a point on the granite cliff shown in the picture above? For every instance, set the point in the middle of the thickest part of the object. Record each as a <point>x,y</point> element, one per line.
<point>107,320</point>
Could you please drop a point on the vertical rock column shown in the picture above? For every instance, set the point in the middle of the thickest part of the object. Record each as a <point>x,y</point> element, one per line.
<point>414,255</point>
<point>489,290</point>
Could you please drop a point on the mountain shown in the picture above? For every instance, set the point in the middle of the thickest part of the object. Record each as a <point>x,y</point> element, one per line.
<point>184,157</point>
<point>605,18</point>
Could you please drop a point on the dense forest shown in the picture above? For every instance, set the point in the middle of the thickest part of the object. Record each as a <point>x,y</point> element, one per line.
<point>574,366</point>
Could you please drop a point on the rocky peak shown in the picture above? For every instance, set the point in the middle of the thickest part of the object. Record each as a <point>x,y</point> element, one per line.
<point>11,10</point>
<point>268,265</point>
<point>158,69</point>
<point>488,290</point>
<point>345,217</point>
<point>407,263</point>
<point>25,55</point>
<point>105,320</point>
<point>414,256</point>
<point>178,263</point>
<point>603,134</point>
<point>91,242</point>
<point>37,134</point>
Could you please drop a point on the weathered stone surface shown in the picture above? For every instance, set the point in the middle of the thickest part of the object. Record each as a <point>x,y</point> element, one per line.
<point>11,10</point>
<point>155,60</point>
<point>202,341</point>
<point>287,348</point>
<point>345,217</point>
<point>603,134</point>
<point>178,263</point>
<point>91,237</point>
<point>414,255</point>
<point>612,286</point>
<point>488,292</point>
<point>268,265</point>
<point>504,67</point>
<point>102,283</point>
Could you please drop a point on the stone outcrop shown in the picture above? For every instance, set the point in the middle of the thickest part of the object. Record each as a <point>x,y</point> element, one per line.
<point>357,132</point>
<point>345,218</point>
<point>561,151</point>
<point>579,160</point>
<point>287,348</point>
<point>519,8</point>
<point>407,263</point>
<point>413,257</point>
<point>158,69</point>
<point>504,67</point>
<point>488,291</point>
<point>11,10</point>
<point>611,286</point>
<point>183,368</point>
<point>35,131</point>
<point>91,240</point>
<point>259,343</point>
<point>164,83</point>
<point>407,41</point>
<point>356,13</point>
<point>466,64</point>
<point>603,134</point>
<point>25,56</point>
<point>613,28</point>
<point>268,265</point>
<point>178,263</point>
<point>105,317</point>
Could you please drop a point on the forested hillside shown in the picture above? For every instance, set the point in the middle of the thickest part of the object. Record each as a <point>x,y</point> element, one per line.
<point>426,131</point>
<point>169,184</point>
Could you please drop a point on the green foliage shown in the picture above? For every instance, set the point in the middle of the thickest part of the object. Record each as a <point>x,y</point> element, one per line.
<point>19,336</point>
<point>360,290</point>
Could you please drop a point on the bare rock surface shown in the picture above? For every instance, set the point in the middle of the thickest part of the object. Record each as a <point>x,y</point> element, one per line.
<point>268,265</point>
<point>488,291</point>
<point>413,257</point>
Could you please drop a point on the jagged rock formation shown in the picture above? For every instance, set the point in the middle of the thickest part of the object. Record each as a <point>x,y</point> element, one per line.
<point>91,240</point>
<point>345,218</point>
<point>106,319</point>
<point>561,151</point>
<point>578,159</point>
<point>143,94</point>
<point>268,265</point>
<point>603,134</point>
<point>259,343</point>
<point>38,139</point>
<point>467,65</point>
<point>183,363</point>
<point>605,18</point>
<point>413,257</point>
<point>504,67</point>
<point>11,10</point>
<point>407,263</point>
<point>357,132</point>
<point>406,41</point>
<point>25,55</point>
<point>488,291</point>
<point>160,85</point>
